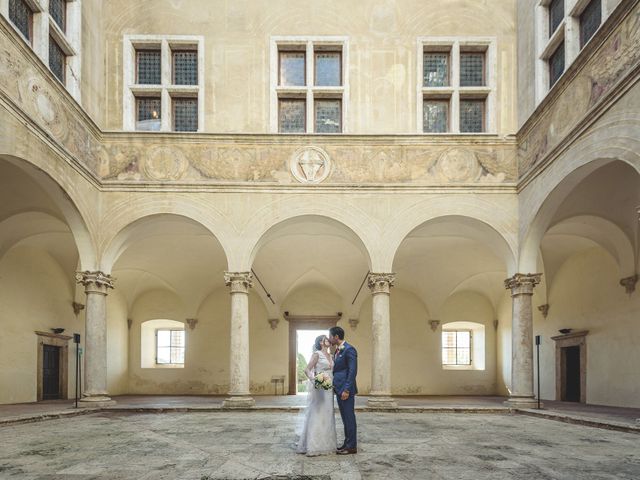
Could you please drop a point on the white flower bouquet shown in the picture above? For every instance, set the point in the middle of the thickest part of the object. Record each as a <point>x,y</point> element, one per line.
<point>323,381</point>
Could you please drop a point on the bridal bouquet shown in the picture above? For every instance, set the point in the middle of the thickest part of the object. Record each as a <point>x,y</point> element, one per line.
<point>323,381</point>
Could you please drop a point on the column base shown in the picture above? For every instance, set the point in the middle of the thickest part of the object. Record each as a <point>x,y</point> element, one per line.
<point>380,401</point>
<point>522,402</point>
<point>96,401</point>
<point>239,402</point>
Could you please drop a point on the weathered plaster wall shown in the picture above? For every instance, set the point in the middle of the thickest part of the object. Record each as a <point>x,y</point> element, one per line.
<point>93,60</point>
<point>35,294</point>
<point>599,304</point>
<point>382,50</point>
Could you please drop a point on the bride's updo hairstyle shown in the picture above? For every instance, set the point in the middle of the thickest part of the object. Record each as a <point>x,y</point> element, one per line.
<point>317,346</point>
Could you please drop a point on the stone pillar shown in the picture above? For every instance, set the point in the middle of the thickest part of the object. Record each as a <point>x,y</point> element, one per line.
<point>96,285</point>
<point>380,395</point>
<point>239,397</point>
<point>521,394</point>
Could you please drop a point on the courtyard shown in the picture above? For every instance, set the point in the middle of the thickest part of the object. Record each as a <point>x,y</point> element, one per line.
<point>259,445</point>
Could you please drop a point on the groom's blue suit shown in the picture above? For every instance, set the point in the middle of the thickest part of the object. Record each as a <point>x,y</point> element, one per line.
<point>345,368</point>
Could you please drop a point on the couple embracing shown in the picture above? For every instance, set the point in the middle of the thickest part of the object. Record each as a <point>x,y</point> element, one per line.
<point>329,374</point>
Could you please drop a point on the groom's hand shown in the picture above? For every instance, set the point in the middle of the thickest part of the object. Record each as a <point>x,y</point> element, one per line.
<point>344,395</point>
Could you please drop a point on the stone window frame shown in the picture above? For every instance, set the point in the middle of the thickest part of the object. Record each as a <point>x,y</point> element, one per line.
<point>166,90</point>
<point>453,92</point>
<point>568,32</point>
<point>309,91</point>
<point>70,41</point>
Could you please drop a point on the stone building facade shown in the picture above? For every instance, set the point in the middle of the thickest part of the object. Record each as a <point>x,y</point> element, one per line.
<point>236,170</point>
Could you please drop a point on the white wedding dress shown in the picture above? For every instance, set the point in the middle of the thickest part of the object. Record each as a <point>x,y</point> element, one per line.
<point>318,436</point>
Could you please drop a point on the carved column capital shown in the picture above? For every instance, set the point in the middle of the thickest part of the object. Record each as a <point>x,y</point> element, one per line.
<point>522,283</point>
<point>240,282</point>
<point>380,282</point>
<point>629,283</point>
<point>95,282</point>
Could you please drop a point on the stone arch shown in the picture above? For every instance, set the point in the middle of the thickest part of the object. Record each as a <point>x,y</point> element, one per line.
<point>358,230</point>
<point>142,225</point>
<point>67,203</point>
<point>495,234</point>
<point>616,140</point>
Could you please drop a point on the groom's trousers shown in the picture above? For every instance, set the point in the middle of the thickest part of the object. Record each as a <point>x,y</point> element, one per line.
<point>348,414</point>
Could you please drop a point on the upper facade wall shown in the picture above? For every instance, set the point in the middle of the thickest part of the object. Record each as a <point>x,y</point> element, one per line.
<point>533,37</point>
<point>382,63</point>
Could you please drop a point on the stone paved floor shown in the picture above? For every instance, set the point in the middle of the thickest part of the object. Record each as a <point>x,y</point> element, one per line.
<point>244,445</point>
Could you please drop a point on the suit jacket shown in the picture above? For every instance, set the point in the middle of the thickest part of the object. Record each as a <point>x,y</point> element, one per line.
<point>345,369</point>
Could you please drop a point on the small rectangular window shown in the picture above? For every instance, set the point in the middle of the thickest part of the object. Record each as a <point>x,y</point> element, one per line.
<point>58,11</point>
<point>435,69</point>
<point>472,116</point>
<point>148,114</point>
<point>292,116</point>
<point>292,69</point>
<point>21,16</point>
<point>556,65</point>
<point>328,69</point>
<point>590,20</point>
<point>471,69</point>
<point>185,67</point>
<point>170,346</point>
<point>435,116</point>
<point>456,347</point>
<point>185,114</point>
<point>328,116</point>
<point>148,70</point>
<point>57,59</point>
<point>556,15</point>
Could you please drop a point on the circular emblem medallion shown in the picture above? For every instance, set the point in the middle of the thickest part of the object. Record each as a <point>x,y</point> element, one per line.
<point>310,165</point>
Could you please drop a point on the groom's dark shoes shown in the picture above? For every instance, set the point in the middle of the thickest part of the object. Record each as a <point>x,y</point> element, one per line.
<point>346,451</point>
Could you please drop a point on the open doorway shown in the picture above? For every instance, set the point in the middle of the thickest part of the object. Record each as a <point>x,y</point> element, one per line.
<point>303,330</point>
<point>305,340</point>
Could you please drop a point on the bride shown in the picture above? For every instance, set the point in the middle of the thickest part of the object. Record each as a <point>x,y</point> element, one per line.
<point>318,435</point>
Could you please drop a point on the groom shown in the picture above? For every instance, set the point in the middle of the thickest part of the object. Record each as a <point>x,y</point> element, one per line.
<point>345,368</point>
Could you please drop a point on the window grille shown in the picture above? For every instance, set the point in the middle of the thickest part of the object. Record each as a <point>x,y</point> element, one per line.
<point>148,114</point>
<point>170,346</point>
<point>21,16</point>
<point>58,11</point>
<point>57,59</point>
<point>328,116</point>
<point>292,69</point>
<point>456,347</point>
<point>471,69</point>
<point>471,116</point>
<point>185,114</point>
<point>556,65</point>
<point>185,68</point>
<point>328,69</point>
<point>435,69</point>
<point>590,20</point>
<point>435,116</point>
<point>148,67</point>
<point>292,113</point>
<point>556,15</point>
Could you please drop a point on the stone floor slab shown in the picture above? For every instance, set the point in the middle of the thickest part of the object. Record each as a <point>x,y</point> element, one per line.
<point>260,445</point>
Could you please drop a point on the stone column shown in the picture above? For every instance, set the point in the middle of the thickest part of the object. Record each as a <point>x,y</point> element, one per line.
<point>380,395</point>
<point>96,285</point>
<point>521,393</point>
<point>239,397</point>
